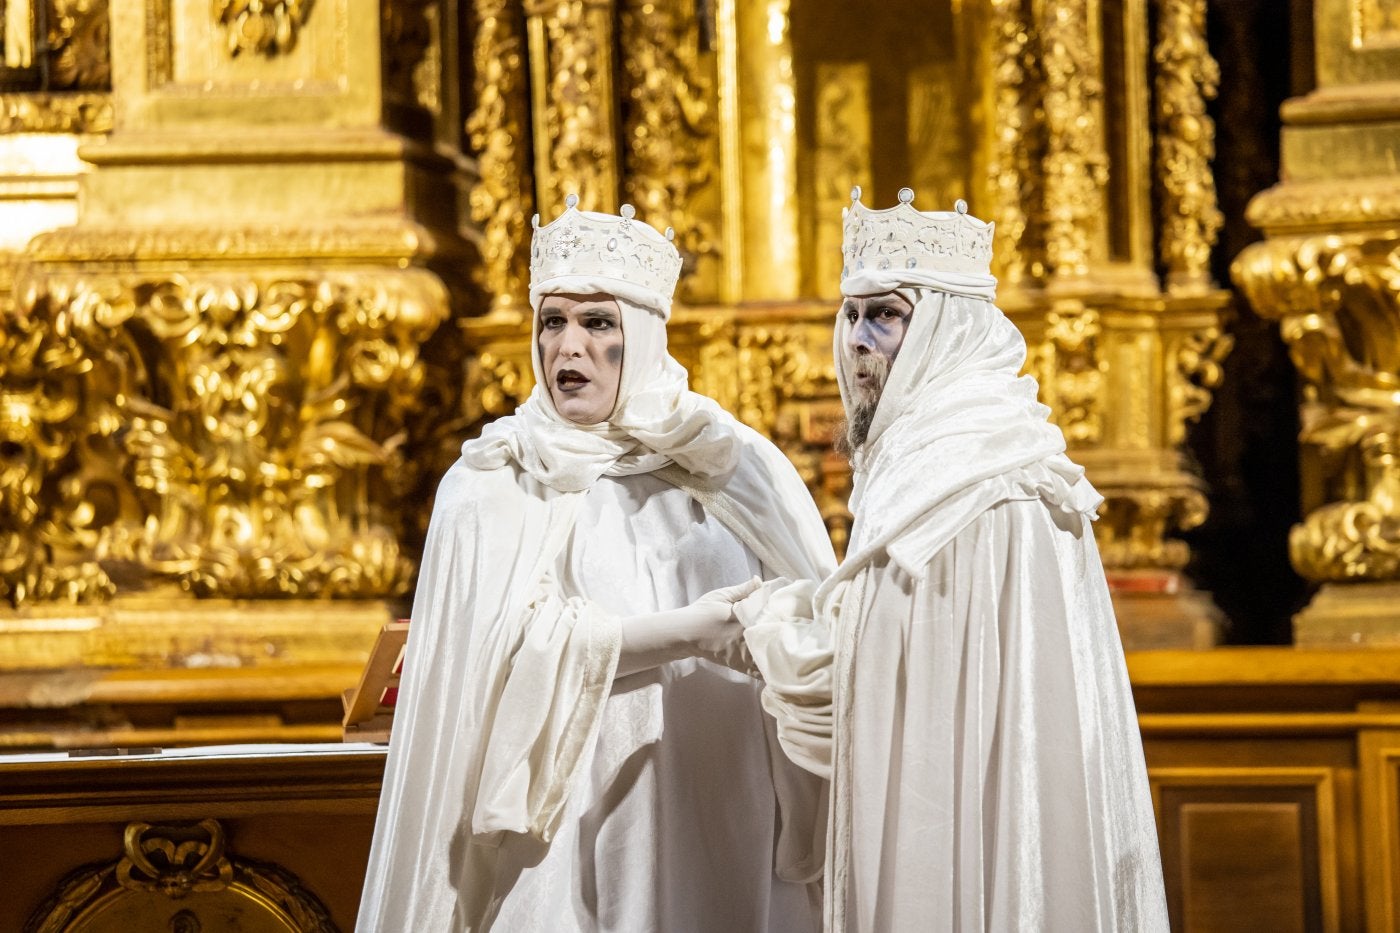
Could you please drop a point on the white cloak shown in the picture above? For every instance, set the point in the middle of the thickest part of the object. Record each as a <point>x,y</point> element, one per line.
<point>522,780</point>
<point>960,678</point>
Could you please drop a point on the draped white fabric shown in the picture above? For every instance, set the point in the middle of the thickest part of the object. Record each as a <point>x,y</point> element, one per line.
<point>657,420</point>
<point>960,677</point>
<point>525,789</point>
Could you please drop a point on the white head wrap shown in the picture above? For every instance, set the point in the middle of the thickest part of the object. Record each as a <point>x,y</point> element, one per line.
<point>656,420</point>
<point>957,428</point>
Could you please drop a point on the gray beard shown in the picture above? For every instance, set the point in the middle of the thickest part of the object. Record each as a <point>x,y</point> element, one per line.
<point>860,413</point>
<point>856,428</point>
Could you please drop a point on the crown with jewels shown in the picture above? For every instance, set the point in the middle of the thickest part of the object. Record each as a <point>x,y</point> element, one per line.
<point>902,237</point>
<point>616,247</point>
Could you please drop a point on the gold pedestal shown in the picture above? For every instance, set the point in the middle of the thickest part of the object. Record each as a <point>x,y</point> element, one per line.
<point>1326,272</point>
<point>1344,615</point>
<point>1160,609</point>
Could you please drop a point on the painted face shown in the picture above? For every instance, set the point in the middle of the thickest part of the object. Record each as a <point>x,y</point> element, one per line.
<point>878,324</point>
<point>877,327</point>
<point>580,344</point>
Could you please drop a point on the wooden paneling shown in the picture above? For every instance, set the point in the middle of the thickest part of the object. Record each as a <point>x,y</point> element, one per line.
<point>1248,848</point>
<point>1380,815</point>
<point>309,815</point>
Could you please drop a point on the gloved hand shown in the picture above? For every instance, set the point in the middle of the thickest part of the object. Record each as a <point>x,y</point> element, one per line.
<point>705,629</point>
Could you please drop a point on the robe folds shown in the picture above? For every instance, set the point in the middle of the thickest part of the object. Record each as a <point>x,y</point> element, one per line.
<point>960,678</point>
<point>526,788</point>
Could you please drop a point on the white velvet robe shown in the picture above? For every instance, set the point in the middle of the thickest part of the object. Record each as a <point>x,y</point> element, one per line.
<point>987,771</point>
<point>525,790</point>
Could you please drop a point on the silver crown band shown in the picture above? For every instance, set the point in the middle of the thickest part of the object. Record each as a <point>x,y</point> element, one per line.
<point>584,243</point>
<point>903,237</point>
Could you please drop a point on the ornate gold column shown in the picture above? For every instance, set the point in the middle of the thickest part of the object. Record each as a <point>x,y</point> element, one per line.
<point>1123,322</point>
<point>227,363</point>
<point>1327,273</point>
<point>575,125</point>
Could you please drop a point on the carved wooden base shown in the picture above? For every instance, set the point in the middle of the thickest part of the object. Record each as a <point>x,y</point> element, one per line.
<point>1350,614</point>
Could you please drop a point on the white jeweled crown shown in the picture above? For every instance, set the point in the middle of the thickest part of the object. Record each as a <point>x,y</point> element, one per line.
<point>902,237</point>
<point>617,247</point>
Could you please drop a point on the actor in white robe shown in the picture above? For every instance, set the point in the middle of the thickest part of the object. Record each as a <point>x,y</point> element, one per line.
<point>976,719</point>
<point>529,787</point>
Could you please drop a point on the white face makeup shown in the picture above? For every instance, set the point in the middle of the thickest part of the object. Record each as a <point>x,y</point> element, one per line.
<point>877,325</point>
<point>581,346</point>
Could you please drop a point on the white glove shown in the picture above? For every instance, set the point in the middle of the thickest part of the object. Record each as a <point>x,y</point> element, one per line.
<point>705,629</point>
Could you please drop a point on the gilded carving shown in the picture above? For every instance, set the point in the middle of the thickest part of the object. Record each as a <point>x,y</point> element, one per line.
<point>1187,76</point>
<point>368,240</point>
<point>669,124</point>
<point>1338,301</point>
<point>1136,524</point>
<point>1013,147</point>
<point>1325,204</point>
<point>160,867</point>
<point>57,486</point>
<point>55,113</point>
<point>1071,371</point>
<point>571,54</point>
<point>1195,369</point>
<point>1075,165</point>
<point>501,201</point>
<point>79,46</point>
<point>842,159</point>
<point>261,27</point>
<point>263,421</point>
<point>497,383</point>
<point>786,388</point>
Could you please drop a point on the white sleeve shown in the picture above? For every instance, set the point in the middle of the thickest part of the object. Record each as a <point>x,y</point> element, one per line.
<point>794,652</point>
<point>547,716</point>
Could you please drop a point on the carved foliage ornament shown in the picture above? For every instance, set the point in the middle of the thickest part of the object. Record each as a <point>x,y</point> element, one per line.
<point>261,27</point>
<point>58,486</point>
<point>669,121</point>
<point>262,423</point>
<point>1338,302</point>
<point>501,199</point>
<point>1187,76</point>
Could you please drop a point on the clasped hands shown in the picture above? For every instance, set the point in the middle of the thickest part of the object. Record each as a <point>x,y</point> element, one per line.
<point>708,628</point>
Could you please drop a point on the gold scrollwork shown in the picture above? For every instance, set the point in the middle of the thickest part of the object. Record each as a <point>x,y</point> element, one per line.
<point>1338,301</point>
<point>1071,370</point>
<point>169,877</point>
<point>56,113</point>
<point>1187,76</point>
<point>1013,151</point>
<point>1196,368</point>
<point>571,59</point>
<point>1075,164</point>
<point>57,484</point>
<point>1136,524</point>
<point>263,421</point>
<point>1357,540</point>
<point>261,27</point>
<point>501,199</point>
<point>669,122</point>
<point>497,383</point>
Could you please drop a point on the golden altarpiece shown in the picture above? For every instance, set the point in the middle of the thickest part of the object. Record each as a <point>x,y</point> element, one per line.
<point>263,267</point>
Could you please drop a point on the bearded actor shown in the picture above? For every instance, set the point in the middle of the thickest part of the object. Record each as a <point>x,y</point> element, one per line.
<point>574,748</point>
<point>960,678</point>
